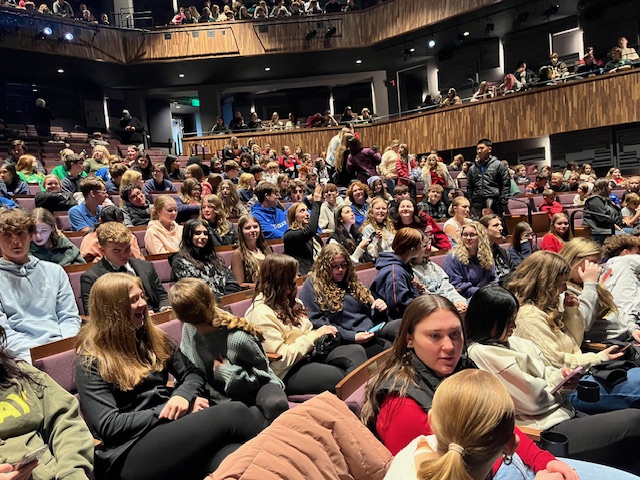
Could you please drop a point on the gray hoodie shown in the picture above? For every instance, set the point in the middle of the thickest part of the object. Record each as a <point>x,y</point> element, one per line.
<point>37,305</point>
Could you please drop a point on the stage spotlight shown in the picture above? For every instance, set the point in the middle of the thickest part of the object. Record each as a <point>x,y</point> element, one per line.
<point>521,19</point>
<point>311,35</point>
<point>432,43</point>
<point>44,33</point>
<point>66,37</point>
<point>331,31</point>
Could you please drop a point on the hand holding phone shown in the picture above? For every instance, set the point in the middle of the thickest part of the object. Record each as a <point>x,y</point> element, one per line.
<point>377,328</point>
<point>576,371</point>
<point>31,457</point>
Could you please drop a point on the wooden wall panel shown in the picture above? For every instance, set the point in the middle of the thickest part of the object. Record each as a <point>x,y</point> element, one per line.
<point>592,103</point>
<point>387,20</point>
<point>203,41</point>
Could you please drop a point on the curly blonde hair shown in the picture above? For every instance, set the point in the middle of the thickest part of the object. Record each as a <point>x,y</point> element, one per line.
<point>194,303</point>
<point>370,220</point>
<point>329,294</point>
<point>534,283</point>
<point>484,255</point>
<point>220,225</point>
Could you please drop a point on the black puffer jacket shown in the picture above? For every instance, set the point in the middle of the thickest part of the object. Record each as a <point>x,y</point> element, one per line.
<point>491,181</point>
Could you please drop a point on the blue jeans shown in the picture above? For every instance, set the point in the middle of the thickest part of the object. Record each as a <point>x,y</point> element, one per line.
<point>623,395</point>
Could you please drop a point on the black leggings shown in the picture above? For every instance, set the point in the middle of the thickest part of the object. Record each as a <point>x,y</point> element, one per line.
<point>610,438</point>
<point>192,446</point>
<point>271,401</point>
<point>318,376</point>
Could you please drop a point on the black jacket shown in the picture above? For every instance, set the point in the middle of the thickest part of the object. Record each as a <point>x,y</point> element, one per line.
<point>136,216</point>
<point>120,418</point>
<point>489,181</point>
<point>156,294</point>
<point>55,202</point>
<point>601,214</point>
<point>299,243</point>
<point>503,264</point>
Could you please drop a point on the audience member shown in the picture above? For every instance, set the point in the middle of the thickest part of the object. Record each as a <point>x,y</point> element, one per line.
<point>630,211</point>
<point>301,240</point>
<point>459,211</point>
<point>557,183</point>
<point>602,319</point>
<point>172,163</point>
<point>558,234</point>
<point>74,164</point>
<point>115,245</point>
<point>549,205</point>
<point>163,233</point>
<point>38,413</point>
<point>362,162</point>
<point>540,185</point>
<point>90,246</point>
<point>84,217</point>
<point>600,213</point>
<point>587,174</point>
<point>48,243</point>
<point>357,193</point>
<point>26,170</point>
<point>628,53</point>
<point>159,181</point>
<point>488,182</point>
<point>434,206</point>
<point>273,221</point>
<point>125,396</point>
<point>130,129</point>
<point>435,279</point>
<point>228,193</point>
<point>99,159</point>
<point>620,273</point>
<point>197,258</point>
<point>585,190</point>
<point>287,331</point>
<point>378,227</point>
<point>400,397</point>
<point>395,282</point>
<point>522,243</point>
<point>617,62</point>
<point>116,174</point>
<point>502,262</point>
<point>470,265</point>
<point>246,184</point>
<point>136,209</point>
<point>348,235</point>
<point>529,378</point>
<point>227,351</point>
<point>327,211</point>
<point>36,302</point>
<point>221,230</point>
<point>14,185</point>
<point>188,200</point>
<point>53,198</point>
<point>334,295</point>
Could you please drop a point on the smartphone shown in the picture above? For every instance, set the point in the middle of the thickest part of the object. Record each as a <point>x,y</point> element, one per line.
<point>373,235</point>
<point>622,348</point>
<point>31,456</point>
<point>575,372</point>
<point>377,327</point>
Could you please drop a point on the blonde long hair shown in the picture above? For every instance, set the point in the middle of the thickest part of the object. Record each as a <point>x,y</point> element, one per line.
<point>484,255</point>
<point>474,411</point>
<point>534,283</point>
<point>220,225</point>
<point>329,295</point>
<point>195,304</point>
<point>574,252</point>
<point>123,355</point>
<point>370,220</point>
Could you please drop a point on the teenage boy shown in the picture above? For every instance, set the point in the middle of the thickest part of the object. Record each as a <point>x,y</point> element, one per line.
<point>434,205</point>
<point>37,304</point>
<point>115,246</point>
<point>273,221</point>
<point>85,216</point>
<point>74,164</point>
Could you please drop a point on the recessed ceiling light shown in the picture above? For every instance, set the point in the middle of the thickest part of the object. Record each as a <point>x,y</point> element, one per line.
<point>181,75</point>
<point>432,43</point>
<point>358,61</point>
<point>267,69</point>
<point>60,70</point>
<point>35,89</point>
<point>412,49</point>
<point>466,33</point>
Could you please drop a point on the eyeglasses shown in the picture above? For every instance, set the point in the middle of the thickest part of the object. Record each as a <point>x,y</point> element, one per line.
<point>342,266</point>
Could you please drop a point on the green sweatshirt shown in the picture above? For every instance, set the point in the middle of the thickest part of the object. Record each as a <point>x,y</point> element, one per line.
<point>33,413</point>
